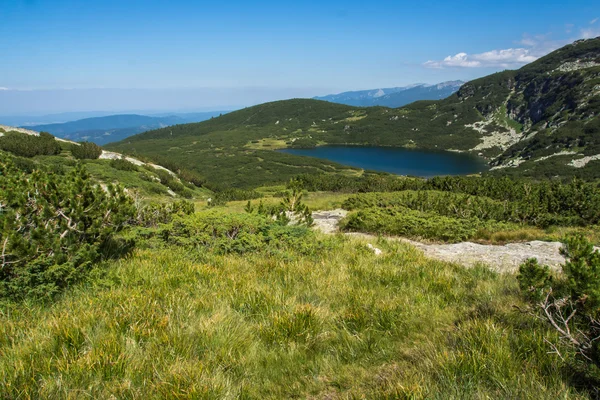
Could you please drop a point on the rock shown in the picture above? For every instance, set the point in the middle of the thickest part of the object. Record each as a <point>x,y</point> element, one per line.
<point>327,221</point>
<point>377,251</point>
<point>506,258</point>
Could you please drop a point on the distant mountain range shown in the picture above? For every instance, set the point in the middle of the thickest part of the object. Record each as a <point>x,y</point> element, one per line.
<point>112,128</point>
<point>395,97</point>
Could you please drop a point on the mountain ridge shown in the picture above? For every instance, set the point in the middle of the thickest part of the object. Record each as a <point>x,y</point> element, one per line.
<point>396,96</point>
<point>111,128</point>
<point>521,121</point>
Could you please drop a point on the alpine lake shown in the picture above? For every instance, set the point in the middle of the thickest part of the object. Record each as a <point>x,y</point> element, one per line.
<point>400,161</point>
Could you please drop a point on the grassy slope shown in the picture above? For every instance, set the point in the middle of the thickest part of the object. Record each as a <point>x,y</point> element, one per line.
<point>234,149</point>
<point>142,183</point>
<point>174,324</point>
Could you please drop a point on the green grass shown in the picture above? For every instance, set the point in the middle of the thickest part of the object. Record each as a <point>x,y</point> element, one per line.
<point>173,323</point>
<point>502,118</point>
<point>142,181</point>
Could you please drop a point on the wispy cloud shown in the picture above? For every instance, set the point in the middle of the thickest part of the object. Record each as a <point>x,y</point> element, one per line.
<point>3,88</point>
<point>589,33</point>
<point>530,48</point>
<point>495,58</point>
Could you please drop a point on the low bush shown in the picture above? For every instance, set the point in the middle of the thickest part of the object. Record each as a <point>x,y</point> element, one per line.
<point>123,165</point>
<point>222,196</point>
<point>417,224</point>
<point>53,228</point>
<point>86,151</point>
<point>541,203</point>
<point>460,205</point>
<point>192,177</point>
<point>154,214</point>
<point>226,232</point>
<point>21,144</point>
<point>170,181</point>
<point>570,304</point>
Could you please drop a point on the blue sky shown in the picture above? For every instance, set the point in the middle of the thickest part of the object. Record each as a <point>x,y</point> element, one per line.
<point>234,53</point>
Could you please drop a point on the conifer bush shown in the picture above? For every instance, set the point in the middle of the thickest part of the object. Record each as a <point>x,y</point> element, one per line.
<point>21,144</point>
<point>53,228</point>
<point>86,151</point>
<point>569,302</point>
<point>123,165</point>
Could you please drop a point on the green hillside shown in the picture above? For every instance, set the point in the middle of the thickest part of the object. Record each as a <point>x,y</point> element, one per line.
<point>522,121</point>
<point>103,295</point>
<point>141,180</point>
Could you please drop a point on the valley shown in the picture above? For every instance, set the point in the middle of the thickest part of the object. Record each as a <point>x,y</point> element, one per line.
<point>301,248</point>
<point>522,122</point>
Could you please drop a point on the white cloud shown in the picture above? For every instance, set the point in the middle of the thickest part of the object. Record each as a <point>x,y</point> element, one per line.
<point>530,48</point>
<point>506,58</point>
<point>3,88</point>
<point>589,33</point>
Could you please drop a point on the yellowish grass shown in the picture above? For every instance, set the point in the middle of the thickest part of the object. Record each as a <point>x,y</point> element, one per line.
<point>174,323</point>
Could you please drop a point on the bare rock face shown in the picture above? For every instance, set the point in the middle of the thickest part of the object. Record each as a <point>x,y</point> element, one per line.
<point>506,258</point>
<point>327,221</point>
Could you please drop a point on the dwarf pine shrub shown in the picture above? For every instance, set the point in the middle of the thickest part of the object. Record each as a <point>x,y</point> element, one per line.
<point>54,227</point>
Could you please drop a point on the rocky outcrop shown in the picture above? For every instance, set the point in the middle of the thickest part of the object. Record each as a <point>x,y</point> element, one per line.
<point>504,258</point>
<point>327,221</point>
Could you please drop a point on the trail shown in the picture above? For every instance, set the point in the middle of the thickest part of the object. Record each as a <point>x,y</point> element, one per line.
<point>504,258</point>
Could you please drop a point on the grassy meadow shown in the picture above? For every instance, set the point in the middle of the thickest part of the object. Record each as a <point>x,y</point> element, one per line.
<point>341,323</point>
<point>198,299</point>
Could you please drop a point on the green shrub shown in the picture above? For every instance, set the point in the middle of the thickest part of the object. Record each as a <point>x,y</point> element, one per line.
<point>582,270</point>
<point>53,228</point>
<point>303,143</point>
<point>86,151</point>
<point>232,194</point>
<point>570,303</point>
<point>170,181</point>
<point>154,214</point>
<point>534,279</point>
<point>24,145</point>
<point>225,232</point>
<point>416,224</point>
<point>123,164</point>
<point>192,177</point>
<point>24,164</point>
<point>540,203</point>
<point>222,231</point>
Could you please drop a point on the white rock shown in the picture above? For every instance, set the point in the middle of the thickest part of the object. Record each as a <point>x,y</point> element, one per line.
<point>377,251</point>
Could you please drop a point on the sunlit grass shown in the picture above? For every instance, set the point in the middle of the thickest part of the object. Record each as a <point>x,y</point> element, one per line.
<point>177,324</point>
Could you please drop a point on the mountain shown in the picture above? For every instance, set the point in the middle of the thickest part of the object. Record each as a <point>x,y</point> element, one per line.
<point>541,120</point>
<point>394,97</point>
<point>30,120</point>
<point>105,129</point>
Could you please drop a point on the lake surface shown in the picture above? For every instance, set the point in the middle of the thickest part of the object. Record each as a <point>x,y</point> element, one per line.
<point>399,161</point>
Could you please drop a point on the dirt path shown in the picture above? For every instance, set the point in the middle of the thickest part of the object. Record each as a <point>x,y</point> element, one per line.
<point>506,258</point>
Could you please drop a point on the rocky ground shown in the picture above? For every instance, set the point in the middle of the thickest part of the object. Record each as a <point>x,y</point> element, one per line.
<point>505,258</point>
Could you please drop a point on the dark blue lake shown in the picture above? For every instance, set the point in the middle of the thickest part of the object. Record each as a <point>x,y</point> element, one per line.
<point>398,160</point>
